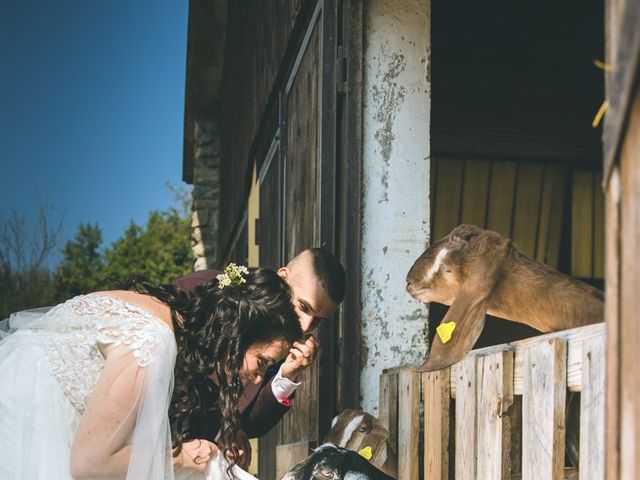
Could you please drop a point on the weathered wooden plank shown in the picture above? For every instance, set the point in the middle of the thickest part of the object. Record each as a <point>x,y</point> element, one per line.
<point>551,209</point>
<point>474,192</point>
<point>388,406</point>
<point>301,212</point>
<point>436,400</point>
<point>575,339</point>
<point>612,316</point>
<point>289,455</point>
<point>629,346</point>
<point>543,410</point>
<point>598,227</point>
<point>466,434</point>
<point>495,397</point>
<point>447,196</point>
<point>592,411</point>
<point>556,219</point>
<point>515,415</point>
<point>582,225</point>
<point>527,207</point>
<point>408,424</point>
<point>503,184</point>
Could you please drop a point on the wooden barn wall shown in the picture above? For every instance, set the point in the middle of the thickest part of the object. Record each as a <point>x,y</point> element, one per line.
<point>258,36</point>
<point>555,214</point>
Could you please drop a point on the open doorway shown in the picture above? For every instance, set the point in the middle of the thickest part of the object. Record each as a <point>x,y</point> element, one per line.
<point>514,94</point>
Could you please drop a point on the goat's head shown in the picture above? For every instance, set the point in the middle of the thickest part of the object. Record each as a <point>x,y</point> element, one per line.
<point>357,431</point>
<point>329,462</point>
<point>460,270</point>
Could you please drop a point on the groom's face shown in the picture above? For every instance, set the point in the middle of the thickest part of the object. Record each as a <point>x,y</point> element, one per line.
<point>310,299</point>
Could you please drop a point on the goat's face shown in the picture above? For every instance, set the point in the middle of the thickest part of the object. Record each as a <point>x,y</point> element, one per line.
<point>434,277</point>
<point>460,270</point>
<point>355,430</point>
<point>438,274</point>
<point>329,462</point>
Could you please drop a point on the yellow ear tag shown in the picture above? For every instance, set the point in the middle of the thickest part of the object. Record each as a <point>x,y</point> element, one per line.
<point>366,452</point>
<point>445,330</point>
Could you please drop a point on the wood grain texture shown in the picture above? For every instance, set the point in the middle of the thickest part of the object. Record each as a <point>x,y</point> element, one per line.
<point>592,412</point>
<point>527,207</point>
<point>447,196</point>
<point>551,215</point>
<point>575,339</point>
<point>289,455</point>
<point>543,410</point>
<point>408,424</point>
<point>388,406</point>
<point>436,400</point>
<point>629,345</point>
<point>475,189</point>
<point>582,225</point>
<point>612,316</point>
<point>495,398</point>
<point>466,434</point>
<point>503,184</point>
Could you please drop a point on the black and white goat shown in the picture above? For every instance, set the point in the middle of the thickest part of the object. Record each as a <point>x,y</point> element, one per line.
<point>356,448</point>
<point>479,271</point>
<point>328,462</point>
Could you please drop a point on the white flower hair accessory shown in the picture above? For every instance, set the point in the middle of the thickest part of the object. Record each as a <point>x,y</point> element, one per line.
<point>232,276</point>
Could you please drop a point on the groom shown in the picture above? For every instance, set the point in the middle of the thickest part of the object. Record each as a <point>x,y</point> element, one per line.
<point>317,283</point>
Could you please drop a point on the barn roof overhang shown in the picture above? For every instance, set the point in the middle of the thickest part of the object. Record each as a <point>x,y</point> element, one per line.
<point>205,61</point>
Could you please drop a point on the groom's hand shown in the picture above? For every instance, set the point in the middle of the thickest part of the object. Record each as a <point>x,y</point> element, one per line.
<point>302,354</point>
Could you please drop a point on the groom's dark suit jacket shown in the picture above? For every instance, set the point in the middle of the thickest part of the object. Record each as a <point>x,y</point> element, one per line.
<point>260,411</point>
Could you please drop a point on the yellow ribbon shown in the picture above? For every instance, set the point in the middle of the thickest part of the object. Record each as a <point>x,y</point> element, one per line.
<point>366,452</point>
<point>445,330</point>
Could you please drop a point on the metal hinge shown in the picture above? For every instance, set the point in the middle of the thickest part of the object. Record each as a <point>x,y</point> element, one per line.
<point>341,71</point>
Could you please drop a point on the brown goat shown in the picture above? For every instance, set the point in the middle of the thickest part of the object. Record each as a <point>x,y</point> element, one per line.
<point>356,430</point>
<point>479,271</point>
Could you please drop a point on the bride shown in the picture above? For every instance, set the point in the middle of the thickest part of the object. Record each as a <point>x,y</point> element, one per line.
<point>88,385</point>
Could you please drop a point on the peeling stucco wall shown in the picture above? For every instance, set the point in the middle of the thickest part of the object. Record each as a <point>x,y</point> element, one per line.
<point>395,185</point>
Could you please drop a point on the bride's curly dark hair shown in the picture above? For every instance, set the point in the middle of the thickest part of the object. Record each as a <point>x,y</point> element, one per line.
<point>214,327</point>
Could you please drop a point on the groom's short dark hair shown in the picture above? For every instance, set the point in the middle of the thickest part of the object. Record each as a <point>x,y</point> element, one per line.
<point>330,272</point>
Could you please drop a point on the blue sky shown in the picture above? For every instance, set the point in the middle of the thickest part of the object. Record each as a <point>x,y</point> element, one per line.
<point>91,108</point>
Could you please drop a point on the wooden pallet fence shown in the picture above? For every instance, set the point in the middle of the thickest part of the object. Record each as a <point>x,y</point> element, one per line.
<point>501,412</point>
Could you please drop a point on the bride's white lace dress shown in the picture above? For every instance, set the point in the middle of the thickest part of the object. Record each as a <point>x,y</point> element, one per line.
<point>49,368</point>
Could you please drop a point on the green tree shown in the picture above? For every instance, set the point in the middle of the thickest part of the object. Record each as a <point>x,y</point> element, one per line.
<point>81,268</point>
<point>159,252</point>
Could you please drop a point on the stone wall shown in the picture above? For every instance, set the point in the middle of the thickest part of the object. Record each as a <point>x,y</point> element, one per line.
<point>206,191</point>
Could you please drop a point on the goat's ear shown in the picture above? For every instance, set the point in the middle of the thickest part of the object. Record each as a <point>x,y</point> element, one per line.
<point>468,312</point>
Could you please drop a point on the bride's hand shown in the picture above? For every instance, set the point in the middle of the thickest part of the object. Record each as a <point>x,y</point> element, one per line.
<point>195,455</point>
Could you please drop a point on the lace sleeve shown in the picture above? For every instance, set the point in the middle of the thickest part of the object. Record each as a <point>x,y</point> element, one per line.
<point>125,428</point>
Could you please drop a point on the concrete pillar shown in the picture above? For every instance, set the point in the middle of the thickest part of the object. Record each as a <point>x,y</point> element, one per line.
<point>206,191</point>
<point>396,115</point>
